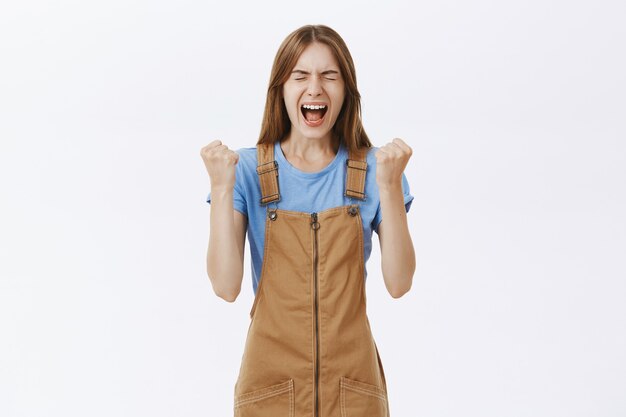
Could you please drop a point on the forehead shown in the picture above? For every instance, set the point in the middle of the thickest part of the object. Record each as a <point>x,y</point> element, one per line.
<point>317,56</point>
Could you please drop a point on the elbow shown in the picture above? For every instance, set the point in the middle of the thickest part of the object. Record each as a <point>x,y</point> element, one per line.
<point>399,280</point>
<point>399,292</point>
<point>229,296</point>
<point>401,286</point>
<point>223,291</point>
<point>226,294</point>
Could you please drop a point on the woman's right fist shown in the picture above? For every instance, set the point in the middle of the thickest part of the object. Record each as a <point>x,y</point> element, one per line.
<point>220,164</point>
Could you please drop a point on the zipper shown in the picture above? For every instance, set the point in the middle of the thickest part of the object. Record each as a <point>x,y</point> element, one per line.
<point>315,225</point>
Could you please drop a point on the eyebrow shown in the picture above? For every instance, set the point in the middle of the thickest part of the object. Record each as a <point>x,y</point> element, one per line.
<point>308,73</point>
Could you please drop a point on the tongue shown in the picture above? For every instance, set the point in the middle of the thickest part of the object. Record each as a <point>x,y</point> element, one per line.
<point>313,115</point>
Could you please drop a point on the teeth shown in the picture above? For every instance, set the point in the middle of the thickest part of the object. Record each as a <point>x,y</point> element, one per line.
<point>311,107</point>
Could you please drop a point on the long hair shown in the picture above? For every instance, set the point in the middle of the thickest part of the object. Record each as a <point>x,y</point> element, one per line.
<point>276,124</point>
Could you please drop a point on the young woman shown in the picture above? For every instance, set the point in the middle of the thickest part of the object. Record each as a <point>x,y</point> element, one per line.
<point>309,196</point>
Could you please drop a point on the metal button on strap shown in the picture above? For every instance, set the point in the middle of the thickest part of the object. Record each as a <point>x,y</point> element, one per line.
<point>353,210</point>
<point>272,214</point>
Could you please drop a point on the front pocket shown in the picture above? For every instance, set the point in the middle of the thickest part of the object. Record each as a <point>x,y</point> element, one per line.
<point>359,399</point>
<point>272,401</point>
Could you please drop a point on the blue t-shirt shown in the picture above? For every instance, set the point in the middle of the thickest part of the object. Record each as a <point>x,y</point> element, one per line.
<point>304,191</point>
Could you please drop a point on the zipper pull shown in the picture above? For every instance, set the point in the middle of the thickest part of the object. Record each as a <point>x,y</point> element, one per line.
<point>314,224</point>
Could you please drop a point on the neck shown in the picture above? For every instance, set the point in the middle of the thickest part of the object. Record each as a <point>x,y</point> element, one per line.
<point>310,149</point>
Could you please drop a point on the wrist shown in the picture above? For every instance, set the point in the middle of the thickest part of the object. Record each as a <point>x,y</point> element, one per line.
<point>221,191</point>
<point>390,188</point>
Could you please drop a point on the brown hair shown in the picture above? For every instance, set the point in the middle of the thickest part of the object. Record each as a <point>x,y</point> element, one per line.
<point>276,123</point>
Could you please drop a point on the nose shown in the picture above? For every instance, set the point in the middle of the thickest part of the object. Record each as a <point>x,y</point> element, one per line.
<point>315,86</point>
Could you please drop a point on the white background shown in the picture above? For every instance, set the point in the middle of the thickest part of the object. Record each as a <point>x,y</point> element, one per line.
<point>514,111</point>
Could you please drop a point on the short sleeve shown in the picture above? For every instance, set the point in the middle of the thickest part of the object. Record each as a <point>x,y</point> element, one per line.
<point>408,200</point>
<point>239,195</point>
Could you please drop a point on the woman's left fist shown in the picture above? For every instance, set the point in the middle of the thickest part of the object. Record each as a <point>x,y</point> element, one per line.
<point>391,160</point>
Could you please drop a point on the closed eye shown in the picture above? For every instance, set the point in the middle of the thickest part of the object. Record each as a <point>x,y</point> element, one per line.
<point>326,78</point>
<point>302,75</point>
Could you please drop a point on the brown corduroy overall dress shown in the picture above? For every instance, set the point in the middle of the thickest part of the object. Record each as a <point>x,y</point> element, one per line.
<point>309,351</point>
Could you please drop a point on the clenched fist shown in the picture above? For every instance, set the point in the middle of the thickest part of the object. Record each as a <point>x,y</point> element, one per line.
<point>391,160</point>
<point>220,163</point>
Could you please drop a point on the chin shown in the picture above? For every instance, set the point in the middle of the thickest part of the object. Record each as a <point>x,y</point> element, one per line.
<point>314,133</point>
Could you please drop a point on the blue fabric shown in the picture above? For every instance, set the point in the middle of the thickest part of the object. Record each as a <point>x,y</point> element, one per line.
<point>304,191</point>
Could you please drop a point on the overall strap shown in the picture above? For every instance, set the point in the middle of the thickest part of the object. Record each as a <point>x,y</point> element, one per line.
<point>356,169</point>
<point>267,169</point>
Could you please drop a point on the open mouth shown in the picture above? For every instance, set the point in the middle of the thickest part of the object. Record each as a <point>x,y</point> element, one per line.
<point>313,114</point>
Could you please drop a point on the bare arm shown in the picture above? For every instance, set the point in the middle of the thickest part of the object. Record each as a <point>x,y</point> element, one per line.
<point>227,228</point>
<point>396,246</point>
<point>227,236</point>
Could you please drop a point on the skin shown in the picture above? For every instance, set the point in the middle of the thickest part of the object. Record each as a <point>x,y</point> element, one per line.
<point>396,246</point>
<point>227,230</point>
<point>315,77</point>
